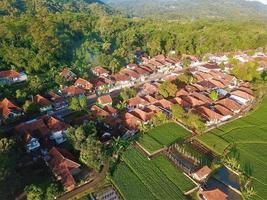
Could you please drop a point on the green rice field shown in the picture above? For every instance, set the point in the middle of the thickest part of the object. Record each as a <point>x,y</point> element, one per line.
<point>162,136</point>
<point>140,178</point>
<point>249,134</point>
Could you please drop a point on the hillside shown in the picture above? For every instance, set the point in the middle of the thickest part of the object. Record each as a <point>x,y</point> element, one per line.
<point>193,9</point>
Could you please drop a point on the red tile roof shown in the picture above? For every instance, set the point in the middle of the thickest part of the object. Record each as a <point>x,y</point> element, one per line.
<point>223,110</point>
<point>104,100</point>
<point>152,108</point>
<point>98,112</point>
<point>201,97</point>
<point>42,101</point>
<point>73,91</point>
<point>182,92</point>
<point>9,74</point>
<point>67,74</point>
<point>191,101</point>
<point>100,70</point>
<point>150,88</point>
<point>150,99</point>
<point>129,73</point>
<point>110,110</point>
<point>62,166</point>
<point>229,104</point>
<point>55,98</point>
<point>164,104</point>
<point>144,116</point>
<point>6,107</point>
<point>217,83</point>
<point>130,121</point>
<point>83,84</point>
<point>203,172</point>
<point>215,194</point>
<point>242,94</point>
<point>135,101</point>
<point>209,114</point>
<point>120,77</point>
<point>176,100</point>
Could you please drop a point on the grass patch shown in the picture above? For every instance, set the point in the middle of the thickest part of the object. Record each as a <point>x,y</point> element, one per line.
<point>163,135</point>
<point>174,174</point>
<point>213,142</point>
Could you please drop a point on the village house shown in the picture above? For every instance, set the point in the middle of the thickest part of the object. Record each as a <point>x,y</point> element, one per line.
<point>136,102</point>
<point>44,104</point>
<point>213,194</point>
<point>58,102</point>
<point>134,76</point>
<point>130,121</point>
<point>73,91</point>
<point>9,111</point>
<point>189,102</point>
<point>62,164</point>
<point>202,174</point>
<point>141,72</point>
<point>102,85</point>
<point>112,123</point>
<point>149,89</point>
<point>241,97</point>
<point>230,104</point>
<point>43,129</point>
<point>121,81</point>
<point>100,71</point>
<point>165,105</point>
<point>152,108</point>
<point>105,100</point>
<point>112,111</point>
<point>150,99</point>
<point>209,115</point>
<point>98,113</point>
<point>11,76</point>
<point>225,112</point>
<point>144,116</point>
<point>84,84</point>
<point>68,75</point>
<point>182,92</point>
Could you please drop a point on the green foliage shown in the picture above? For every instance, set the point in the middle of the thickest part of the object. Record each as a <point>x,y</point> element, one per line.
<point>247,71</point>
<point>194,121</point>
<point>78,103</point>
<point>177,112</point>
<point>214,96</point>
<point>185,79</point>
<point>158,119</point>
<point>126,94</point>
<point>168,89</point>
<point>34,192</point>
<point>30,107</point>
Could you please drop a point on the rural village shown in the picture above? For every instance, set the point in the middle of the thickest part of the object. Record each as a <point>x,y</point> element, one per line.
<point>163,106</point>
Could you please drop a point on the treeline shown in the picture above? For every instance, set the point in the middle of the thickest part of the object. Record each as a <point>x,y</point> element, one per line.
<point>41,44</point>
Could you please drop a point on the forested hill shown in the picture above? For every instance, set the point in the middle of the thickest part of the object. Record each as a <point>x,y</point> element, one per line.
<point>18,7</point>
<point>192,9</point>
<point>41,37</point>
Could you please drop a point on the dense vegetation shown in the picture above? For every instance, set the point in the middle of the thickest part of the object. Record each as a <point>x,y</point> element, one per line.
<point>40,39</point>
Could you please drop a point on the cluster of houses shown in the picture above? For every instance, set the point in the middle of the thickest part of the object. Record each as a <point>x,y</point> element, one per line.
<point>46,133</point>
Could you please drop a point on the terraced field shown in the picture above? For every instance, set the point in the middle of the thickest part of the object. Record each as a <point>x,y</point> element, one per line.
<point>158,177</point>
<point>162,136</point>
<point>249,134</point>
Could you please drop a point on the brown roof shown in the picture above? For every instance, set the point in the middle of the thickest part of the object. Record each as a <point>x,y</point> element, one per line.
<point>113,122</point>
<point>217,83</point>
<point>230,104</point>
<point>6,107</point>
<point>110,110</point>
<point>100,70</point>
<point>9,74</point>
<point>135,101</point>
<point>199,87</point>
<point>73,91</point>
<point>209,114</point>
<point>242,94</point>
<point>191,101</point>
<point>98,112</point>
<point>247,90</point>
<point>62,166</point>
<point>67,74</point>
<point>129,72</point>
<point>223,110</point>
<point>42,126</point>
<point>182,92</point>
<point>203,172</point>
<point>150,99</point>
<point>42,101</point>
<point>215,194</point>
<point>144,116</point>
<point>164,104</point>
<point>201,97</point>
<point>211,66</point>
<point>150,88</point>
<point>98,82</point>
<point>207,84</point>
<point>176,100</point>
<point>106,99</point>
<point>190,88</point>
<point>140,71</point>
<point>204,76</point>
<point>152,108</point>
<point>55,97</point>
<point>130,121</point>
<point>83,83</point>
<point>119,77</point>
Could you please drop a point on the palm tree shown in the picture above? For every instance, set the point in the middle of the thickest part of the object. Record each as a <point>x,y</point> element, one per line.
<point>248,193</point>
<point>118,145</point>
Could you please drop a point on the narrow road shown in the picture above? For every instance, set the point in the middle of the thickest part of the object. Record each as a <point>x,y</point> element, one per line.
<point>98,178</point>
